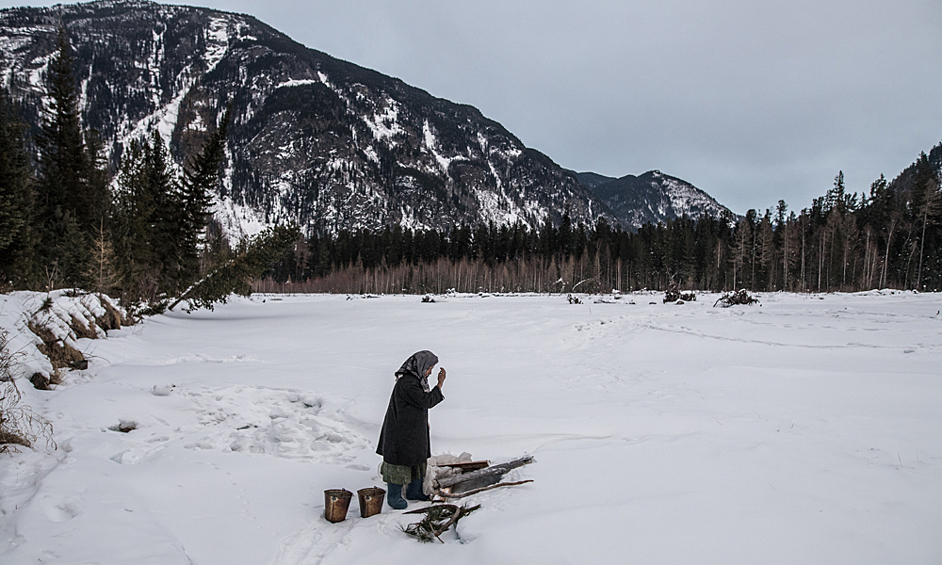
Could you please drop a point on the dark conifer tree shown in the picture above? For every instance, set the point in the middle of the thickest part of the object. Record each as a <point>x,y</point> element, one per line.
<point>927,203</point>
<point>72,197</point>
<point>16,202</point>
<point>201,180</point>
<point>146,221</point>
<point>250,259</point>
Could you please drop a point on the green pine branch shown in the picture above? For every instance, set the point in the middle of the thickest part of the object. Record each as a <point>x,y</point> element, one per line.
<point>235,275</point>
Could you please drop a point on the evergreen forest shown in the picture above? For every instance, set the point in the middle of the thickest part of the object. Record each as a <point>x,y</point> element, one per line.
<point>891,237</point>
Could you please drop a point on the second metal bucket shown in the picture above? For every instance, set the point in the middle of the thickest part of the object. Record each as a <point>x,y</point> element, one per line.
<point>371,501</point>
<point>336,502</point>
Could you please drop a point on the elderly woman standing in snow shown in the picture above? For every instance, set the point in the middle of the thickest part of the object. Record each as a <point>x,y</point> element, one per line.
<point>404,441</point>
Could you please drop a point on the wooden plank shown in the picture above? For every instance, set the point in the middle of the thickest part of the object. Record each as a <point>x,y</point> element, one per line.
<point>477,490</point>
<point>468,466</point>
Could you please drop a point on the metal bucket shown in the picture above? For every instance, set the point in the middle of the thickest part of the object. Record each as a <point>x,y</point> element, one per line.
<point>336,502</point>
<point>371,501</point>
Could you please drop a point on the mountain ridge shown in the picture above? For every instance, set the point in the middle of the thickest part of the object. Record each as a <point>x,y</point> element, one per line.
<point>652,195</point>
<point>315,140</point>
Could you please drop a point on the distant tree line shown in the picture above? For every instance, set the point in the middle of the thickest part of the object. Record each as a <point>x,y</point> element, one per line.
<point>891,237</point>
<point>149,240</point>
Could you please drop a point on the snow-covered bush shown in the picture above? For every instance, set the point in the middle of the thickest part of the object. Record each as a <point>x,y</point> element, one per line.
<point>735,298</point>
<point>19,425</point>
<point>674,295</point>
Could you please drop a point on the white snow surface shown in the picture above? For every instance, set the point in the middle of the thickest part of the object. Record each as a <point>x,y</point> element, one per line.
<point>237,221</point>
<point>805,430</point>
<point>297,82</point>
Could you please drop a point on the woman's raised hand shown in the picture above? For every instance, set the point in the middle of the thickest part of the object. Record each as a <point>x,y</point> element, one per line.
<point>441,378</point>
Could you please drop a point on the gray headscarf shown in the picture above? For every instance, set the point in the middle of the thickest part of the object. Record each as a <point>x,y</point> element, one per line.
<point>418,364</point>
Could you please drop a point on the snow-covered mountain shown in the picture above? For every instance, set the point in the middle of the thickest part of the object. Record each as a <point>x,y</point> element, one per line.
<point>314,140</point>
<point>651,197</point>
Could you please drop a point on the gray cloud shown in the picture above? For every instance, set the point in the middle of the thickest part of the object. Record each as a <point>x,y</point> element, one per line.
<point>752,101</point>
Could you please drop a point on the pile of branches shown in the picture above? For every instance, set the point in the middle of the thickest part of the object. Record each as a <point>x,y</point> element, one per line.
<point>735,298</point>
<point>479,478</point>
<point>438,518</point>
<point>673,295</point>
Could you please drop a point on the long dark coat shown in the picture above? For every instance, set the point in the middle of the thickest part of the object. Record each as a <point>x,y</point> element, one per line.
<point>405,438</point>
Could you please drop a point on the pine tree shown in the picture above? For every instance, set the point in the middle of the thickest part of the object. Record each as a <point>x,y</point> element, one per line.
<point>72,199</point>
<point>16,201</point>
<point>130,222</point>
<point>103,274</point>
<point>201,181</point>
<point>835,198</point>
<point>928,201</point>
<point>251,258</point>
<point>146,222</point>
<point>167,231</point>
<point>765,251</point>
<point>781,233</point>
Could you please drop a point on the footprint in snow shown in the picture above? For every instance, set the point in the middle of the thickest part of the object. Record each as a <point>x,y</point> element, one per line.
<point>58,510</point>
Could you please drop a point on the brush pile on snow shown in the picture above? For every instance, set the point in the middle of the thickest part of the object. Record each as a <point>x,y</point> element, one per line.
<point>44,330</point>
<point>739,297</point>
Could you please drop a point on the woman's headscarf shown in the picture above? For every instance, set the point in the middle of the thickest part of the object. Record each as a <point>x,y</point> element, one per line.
<point>418,364</point>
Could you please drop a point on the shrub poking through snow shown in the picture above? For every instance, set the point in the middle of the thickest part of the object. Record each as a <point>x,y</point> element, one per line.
<point>41,381</point>
<point>60,354</point>
<point>19,425</point>
<point>124,426</point>
<point>438,518</point>
<point>735,298</point>
<point>81,330</point>
<point>64,318</point>
<point>673,294</point>
<point>112,319</point>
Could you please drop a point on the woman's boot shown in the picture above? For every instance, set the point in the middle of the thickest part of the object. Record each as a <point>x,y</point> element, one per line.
<point>394,496</point>
<point>414,491</point>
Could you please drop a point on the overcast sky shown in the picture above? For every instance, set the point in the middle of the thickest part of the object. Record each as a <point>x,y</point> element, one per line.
<point>751,100</point>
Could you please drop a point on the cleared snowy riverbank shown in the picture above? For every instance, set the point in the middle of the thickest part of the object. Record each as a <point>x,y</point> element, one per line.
<point>805,430</point>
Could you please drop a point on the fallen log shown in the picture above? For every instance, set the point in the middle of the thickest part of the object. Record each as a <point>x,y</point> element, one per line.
<point>480,478</point>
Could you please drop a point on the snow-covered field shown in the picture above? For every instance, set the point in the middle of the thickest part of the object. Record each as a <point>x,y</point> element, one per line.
<point>807,430</point>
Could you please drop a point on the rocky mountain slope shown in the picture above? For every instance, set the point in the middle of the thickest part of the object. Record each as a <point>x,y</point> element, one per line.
<point>651,197</point>
<point>314,140</point>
